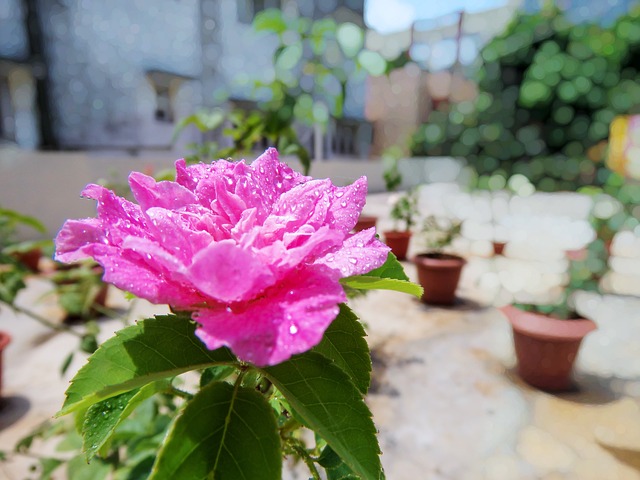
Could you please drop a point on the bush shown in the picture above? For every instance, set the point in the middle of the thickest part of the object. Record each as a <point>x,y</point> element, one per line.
<point>548,91</point>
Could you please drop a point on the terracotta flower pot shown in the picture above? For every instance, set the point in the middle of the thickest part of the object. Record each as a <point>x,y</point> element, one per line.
<point>5,338</point>
<point>498,247</point>
<point>398,242</point>
<point>546,347</point>
<point>439,274</point>
<point>364,222</point>
<point>29,258</point>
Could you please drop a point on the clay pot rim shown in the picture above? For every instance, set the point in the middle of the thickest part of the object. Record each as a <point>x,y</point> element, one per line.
<point>444,260</point>
<point>544,327</point>
<point>5,339</point>
<point>397,233</point>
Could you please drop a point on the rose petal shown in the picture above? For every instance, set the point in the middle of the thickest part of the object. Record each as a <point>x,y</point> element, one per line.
<point>359,254</point>
<point>291,319</point>
<point>228,273</point>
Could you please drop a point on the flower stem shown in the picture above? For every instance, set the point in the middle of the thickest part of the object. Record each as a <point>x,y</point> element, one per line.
<point>306,458</point>
<point>44,321</point>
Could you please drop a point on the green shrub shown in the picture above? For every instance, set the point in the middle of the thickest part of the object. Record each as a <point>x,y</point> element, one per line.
<point>548,91</point>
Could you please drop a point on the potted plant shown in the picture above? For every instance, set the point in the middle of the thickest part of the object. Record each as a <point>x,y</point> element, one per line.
<point>403,213</point>
<point>27,253</point>
<point>438,272</point>
<point>547,338</point>
<point>80,290</point>
<point>364,222</point>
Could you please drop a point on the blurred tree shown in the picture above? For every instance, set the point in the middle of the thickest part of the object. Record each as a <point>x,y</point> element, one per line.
<point>548,93</point>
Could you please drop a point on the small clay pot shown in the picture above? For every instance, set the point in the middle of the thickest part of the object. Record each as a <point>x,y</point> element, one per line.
<point>398,242</point>
<point>29,258</point>
<point>498,247</point>
<point>439,274</point>
<point>5,339</point>
<point>364,222</point>
<point>546,347</point>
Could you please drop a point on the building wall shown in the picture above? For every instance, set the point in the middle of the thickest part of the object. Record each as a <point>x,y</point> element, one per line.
<point>13,35</point>
<point>98,56</point>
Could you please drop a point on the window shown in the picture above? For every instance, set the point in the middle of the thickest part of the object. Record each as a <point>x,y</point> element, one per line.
<point>165,85</point>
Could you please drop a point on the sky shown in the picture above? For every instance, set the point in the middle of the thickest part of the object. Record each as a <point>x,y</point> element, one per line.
<point>388,16</point>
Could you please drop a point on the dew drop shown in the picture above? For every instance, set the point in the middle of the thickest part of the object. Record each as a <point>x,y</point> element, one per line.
<point>293,329</point>
<point>353,260</point>
<point>228,309</point>
<point>343,204</point>
<point>339,193</point>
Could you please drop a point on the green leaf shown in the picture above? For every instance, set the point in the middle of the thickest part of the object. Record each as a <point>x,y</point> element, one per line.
<point>389,276</point>
<point>102,418</point>
<point>366,282</point>
<point>47,466</point>
<point>391,268</point>
<point>215,374</point>
<point>79,469</point>
<point>344,343</point>
<point>323,396</point>
<point>334,466</point>
<point>270,20</point>
<point>224,432</point>
<point>13,218</point>
<point>155,348</point>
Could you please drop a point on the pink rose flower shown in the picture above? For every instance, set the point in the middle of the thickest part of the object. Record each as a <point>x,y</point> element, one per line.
<point>255,252</point>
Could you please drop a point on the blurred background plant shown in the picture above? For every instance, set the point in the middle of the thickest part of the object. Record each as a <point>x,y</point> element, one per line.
<point>439,233</point>
<point>548,91</point>
<point>404,210</point>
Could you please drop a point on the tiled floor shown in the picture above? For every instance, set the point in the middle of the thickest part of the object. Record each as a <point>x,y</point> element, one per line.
<point>445,397</point>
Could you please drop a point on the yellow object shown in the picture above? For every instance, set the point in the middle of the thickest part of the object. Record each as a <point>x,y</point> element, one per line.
<point>624,146</point>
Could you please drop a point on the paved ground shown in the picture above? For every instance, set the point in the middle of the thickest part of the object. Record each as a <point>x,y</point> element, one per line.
<point>445,397</point>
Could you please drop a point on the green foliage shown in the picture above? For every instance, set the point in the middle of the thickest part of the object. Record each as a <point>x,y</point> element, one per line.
<point>326,400</point>
<point>405,209</point>
<point>225,431</point>
<point>548,92</point>
<point>391,173</point>
<point>11,220</point>
<point>344,343</point>
<point>246,130</point>
<point>241,419</point>
<point>80,290</point>
<point>161,347</point>
<point>12,274</point>
<point>440,232</point>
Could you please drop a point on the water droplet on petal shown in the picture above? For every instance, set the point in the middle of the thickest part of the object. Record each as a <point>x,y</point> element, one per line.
<point>343,204</point>
<point>228,309</point>
<point>353,260</point>
<point>339,193</point>
<point>293,329</point>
